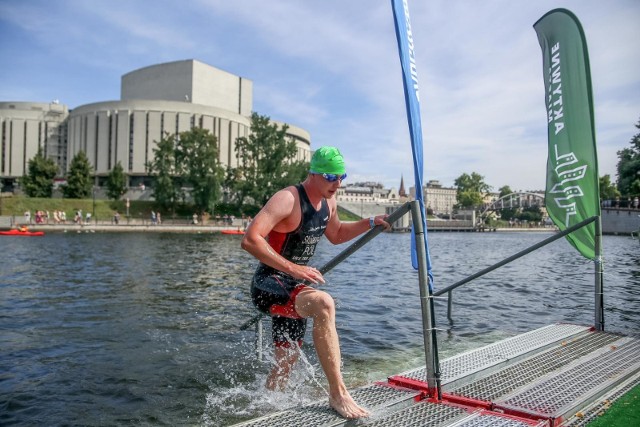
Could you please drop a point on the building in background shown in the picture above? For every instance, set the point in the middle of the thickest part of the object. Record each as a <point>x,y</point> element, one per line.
<point>27,126</point>
<point>365,199</point>
<point>437,199</point>
<point>165,98</point>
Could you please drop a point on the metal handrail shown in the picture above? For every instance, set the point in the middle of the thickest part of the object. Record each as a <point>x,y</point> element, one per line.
<point>520,254</point>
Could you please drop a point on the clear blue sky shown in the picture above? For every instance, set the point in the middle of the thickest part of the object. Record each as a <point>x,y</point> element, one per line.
<point>332,67</point>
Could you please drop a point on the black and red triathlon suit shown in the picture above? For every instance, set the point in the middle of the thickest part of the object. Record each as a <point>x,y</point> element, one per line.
<point>274,292</point>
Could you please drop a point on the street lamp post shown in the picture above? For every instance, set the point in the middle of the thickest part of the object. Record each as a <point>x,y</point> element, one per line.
<point>94,206</point>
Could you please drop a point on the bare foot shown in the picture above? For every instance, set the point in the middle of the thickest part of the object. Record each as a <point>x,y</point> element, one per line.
<point>347,407</point>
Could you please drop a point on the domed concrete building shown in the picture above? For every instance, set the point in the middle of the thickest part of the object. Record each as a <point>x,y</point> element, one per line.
<point>165,98</point>
<point>27,126</point>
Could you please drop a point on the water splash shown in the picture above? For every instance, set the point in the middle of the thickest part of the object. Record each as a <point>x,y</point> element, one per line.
<point>246,398</point>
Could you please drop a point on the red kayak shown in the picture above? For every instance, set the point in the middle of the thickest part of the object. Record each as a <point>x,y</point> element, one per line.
<point>232,232</point>
<point>15,232</point>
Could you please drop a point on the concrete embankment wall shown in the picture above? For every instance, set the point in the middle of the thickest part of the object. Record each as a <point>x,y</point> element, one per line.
<point>614,221</point>
<point>620,221</point>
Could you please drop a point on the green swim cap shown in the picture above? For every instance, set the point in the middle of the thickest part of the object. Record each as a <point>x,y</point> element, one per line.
<point>327,160</point>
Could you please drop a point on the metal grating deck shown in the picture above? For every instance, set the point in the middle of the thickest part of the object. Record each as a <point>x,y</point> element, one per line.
<point>561,394</point>
<point>542,378</point>
<point>492,419</point>
<point>417,415</point>
<point>598,407</point>
<point>376,397</point>
<point>463,368</point>
<point>505,381</point>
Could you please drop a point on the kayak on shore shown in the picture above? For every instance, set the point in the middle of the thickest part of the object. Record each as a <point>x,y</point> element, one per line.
<point>232,232</point>
<point>21,232</point>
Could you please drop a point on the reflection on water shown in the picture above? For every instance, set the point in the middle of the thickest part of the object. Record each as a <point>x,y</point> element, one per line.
<point>109,329</point>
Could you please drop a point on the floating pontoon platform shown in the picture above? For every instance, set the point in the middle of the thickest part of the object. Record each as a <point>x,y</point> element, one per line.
<point>558,375</point>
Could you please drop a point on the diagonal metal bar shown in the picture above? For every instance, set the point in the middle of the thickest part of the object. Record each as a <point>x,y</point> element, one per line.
<point>530,249</point>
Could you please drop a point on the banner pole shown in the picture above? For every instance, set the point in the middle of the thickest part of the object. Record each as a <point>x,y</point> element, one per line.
<point>599,286</point>
<point>426,303</point>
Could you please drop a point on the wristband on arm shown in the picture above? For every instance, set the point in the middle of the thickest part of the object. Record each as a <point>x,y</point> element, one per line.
<point>372,222</point>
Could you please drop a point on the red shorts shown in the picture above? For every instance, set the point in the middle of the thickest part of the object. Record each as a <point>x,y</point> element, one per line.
<point>276,294</point>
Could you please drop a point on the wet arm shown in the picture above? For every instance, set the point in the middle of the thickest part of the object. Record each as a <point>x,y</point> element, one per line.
<point>277,210</point>
<point>340,232</point>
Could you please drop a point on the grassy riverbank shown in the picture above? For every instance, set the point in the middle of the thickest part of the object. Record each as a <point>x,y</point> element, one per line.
<point>623,413</point>
<point>104,209</point>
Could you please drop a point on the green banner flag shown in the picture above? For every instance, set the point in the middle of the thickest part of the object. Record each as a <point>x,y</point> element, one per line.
<point>572,194</point>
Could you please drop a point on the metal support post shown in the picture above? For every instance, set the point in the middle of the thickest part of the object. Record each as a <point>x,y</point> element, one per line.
<point>599,287</point>
<point>259,339</point>
<point>426,302</point>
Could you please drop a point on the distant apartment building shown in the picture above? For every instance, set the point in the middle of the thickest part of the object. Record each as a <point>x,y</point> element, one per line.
<point>154,101</point>
<point>437,199</point>
<point>367,192</point>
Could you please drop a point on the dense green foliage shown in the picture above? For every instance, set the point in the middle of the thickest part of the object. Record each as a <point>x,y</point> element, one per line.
<point>608,191</point>
<point>196,162</point>
<point>531,214</point>
<point>507,214</point>
<point>79,180</point>
<point>166,187</point>
<point>470,190</point>
<point>39,180</point>
<point>266,164</point>
<point>116,182</point>
<point>188,167</point>
<point>629,167</point>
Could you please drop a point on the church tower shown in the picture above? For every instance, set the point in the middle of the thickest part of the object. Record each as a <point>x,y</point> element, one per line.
<point>401,191</point>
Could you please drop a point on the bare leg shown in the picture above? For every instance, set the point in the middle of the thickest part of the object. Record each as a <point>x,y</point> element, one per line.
<point>286,359</point>
<point>320,306</point>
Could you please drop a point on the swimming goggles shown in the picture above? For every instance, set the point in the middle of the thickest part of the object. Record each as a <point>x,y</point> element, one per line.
<point>333,177</point>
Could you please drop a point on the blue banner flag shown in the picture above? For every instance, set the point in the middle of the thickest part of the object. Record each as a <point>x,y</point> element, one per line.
<point>406,50</point>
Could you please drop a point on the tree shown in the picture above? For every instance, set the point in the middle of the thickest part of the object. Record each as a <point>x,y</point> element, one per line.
<point>190,160</point>
<point>507,213</point>
<point>166,184</point>
<point>266,163</point>
<point>531,214</point>
<point>79,182</point>
<point>196,160</point>
<point>39,180</point>
<point>470,190</point>
<point>505,190</point>
<point>608,191</point>
<point>629,167</point>
<point>116,182</point>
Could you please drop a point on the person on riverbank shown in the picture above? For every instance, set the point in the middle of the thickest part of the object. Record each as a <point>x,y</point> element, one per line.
<point>283,237</point>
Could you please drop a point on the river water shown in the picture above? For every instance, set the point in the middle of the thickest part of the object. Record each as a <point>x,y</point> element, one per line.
<point>142,328</point>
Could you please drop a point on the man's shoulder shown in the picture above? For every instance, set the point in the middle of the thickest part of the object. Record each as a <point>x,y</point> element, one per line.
<point>288,193</point>
<point>286,199</point>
